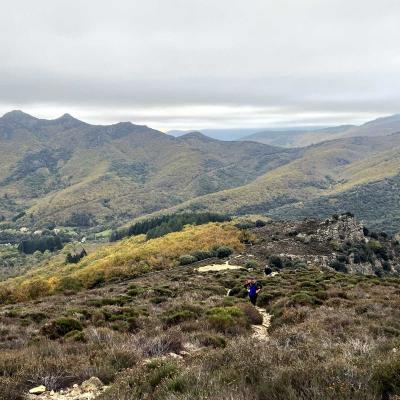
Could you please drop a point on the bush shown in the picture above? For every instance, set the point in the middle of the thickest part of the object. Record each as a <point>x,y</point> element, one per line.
<point>302,299</point>
<point>134,291</point>
<point>374,245</point>
<point>75,336</point>
<point>212,340</point>
<point>252,314</point>
<point>36,316</point>
<point>223,251</point>
<point>60,327</point>
<point>260,223</point>
<point>361,254</point>
<point>227,319</point>
<point>133,324</point>
<point>252,264</point>
<point>275,262</point>
<point>68,283</point>
<point>386,266</point>
<point>75,257</point>
<point>177,316</point>
<point>238,291</point>
<point>80,219</point>
<point>338,266</point>
<point>342,258</point>
<point>187,259</point>
<point>202,254</point>
<point>387,378</point>
<point>264,298</point>
<point>245,224</point>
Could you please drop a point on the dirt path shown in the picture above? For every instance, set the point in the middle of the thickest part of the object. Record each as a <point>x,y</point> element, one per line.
<point>218,267</point>
<point>261,331</point>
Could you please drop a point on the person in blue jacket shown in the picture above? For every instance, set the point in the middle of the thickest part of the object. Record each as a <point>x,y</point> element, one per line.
<point>253,288</point>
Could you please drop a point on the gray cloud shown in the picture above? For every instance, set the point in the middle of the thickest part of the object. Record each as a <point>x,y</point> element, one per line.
<point>202,63</point>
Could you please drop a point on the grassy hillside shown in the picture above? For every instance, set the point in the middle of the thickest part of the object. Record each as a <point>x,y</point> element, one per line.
<point>66,171</point>
<point>377,204</point>
<point>378,127</point>
<point>322,170</point>
<point>121,260</point>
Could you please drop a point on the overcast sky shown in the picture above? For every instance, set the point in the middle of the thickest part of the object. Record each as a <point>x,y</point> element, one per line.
<point>190,64</point>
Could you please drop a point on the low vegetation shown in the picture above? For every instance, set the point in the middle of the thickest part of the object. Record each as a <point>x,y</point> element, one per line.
<point>332,336</point>
<point>139,316</point>
<point>126,259</point>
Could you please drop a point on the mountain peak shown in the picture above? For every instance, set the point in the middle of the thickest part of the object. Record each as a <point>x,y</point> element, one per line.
<point>195,135</point>
<point>18,116</point>
<point>67,116</point>
<point>68,119</point>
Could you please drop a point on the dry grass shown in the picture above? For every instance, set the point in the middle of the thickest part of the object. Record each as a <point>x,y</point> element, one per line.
<point>339,345</point>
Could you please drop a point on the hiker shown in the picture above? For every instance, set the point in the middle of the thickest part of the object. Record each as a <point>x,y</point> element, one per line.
<point>267,270</point>
<point>253,288</point>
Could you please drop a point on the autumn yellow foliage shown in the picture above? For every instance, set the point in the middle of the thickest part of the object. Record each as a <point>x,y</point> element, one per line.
<point>127,258</point>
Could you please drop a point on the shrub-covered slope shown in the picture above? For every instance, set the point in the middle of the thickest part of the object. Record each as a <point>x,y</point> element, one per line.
<point>67,172</point>
<point>172,332</point>
<point>333,168</point>
<point>125,259</point>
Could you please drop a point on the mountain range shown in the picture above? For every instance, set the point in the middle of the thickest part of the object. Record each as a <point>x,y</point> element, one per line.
<point>300,136</point>
<point>68,172</point>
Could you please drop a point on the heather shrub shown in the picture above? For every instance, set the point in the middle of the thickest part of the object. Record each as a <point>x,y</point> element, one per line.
<point>302,298</point>
<point>60,327</point>
<point>223,251</point>
<point>177,316</point>
<point>227,319</point>
<point>275,262</point>
<point>252,264</point>
<point>252,314</point>
<point>187,259</point>
<point>210,339</point>
<point>202,254</point>
<point>338,266</point>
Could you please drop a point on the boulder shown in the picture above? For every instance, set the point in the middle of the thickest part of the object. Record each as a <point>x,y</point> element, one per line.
<point>92,384</point>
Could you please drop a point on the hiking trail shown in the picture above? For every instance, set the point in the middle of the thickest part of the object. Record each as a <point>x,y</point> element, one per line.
<point>261,331</point>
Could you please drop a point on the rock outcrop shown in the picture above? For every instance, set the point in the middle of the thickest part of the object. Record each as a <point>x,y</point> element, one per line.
<point>88,390</point>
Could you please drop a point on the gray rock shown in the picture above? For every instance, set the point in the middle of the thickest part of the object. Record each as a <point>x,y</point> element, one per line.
<point>92,384</point>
